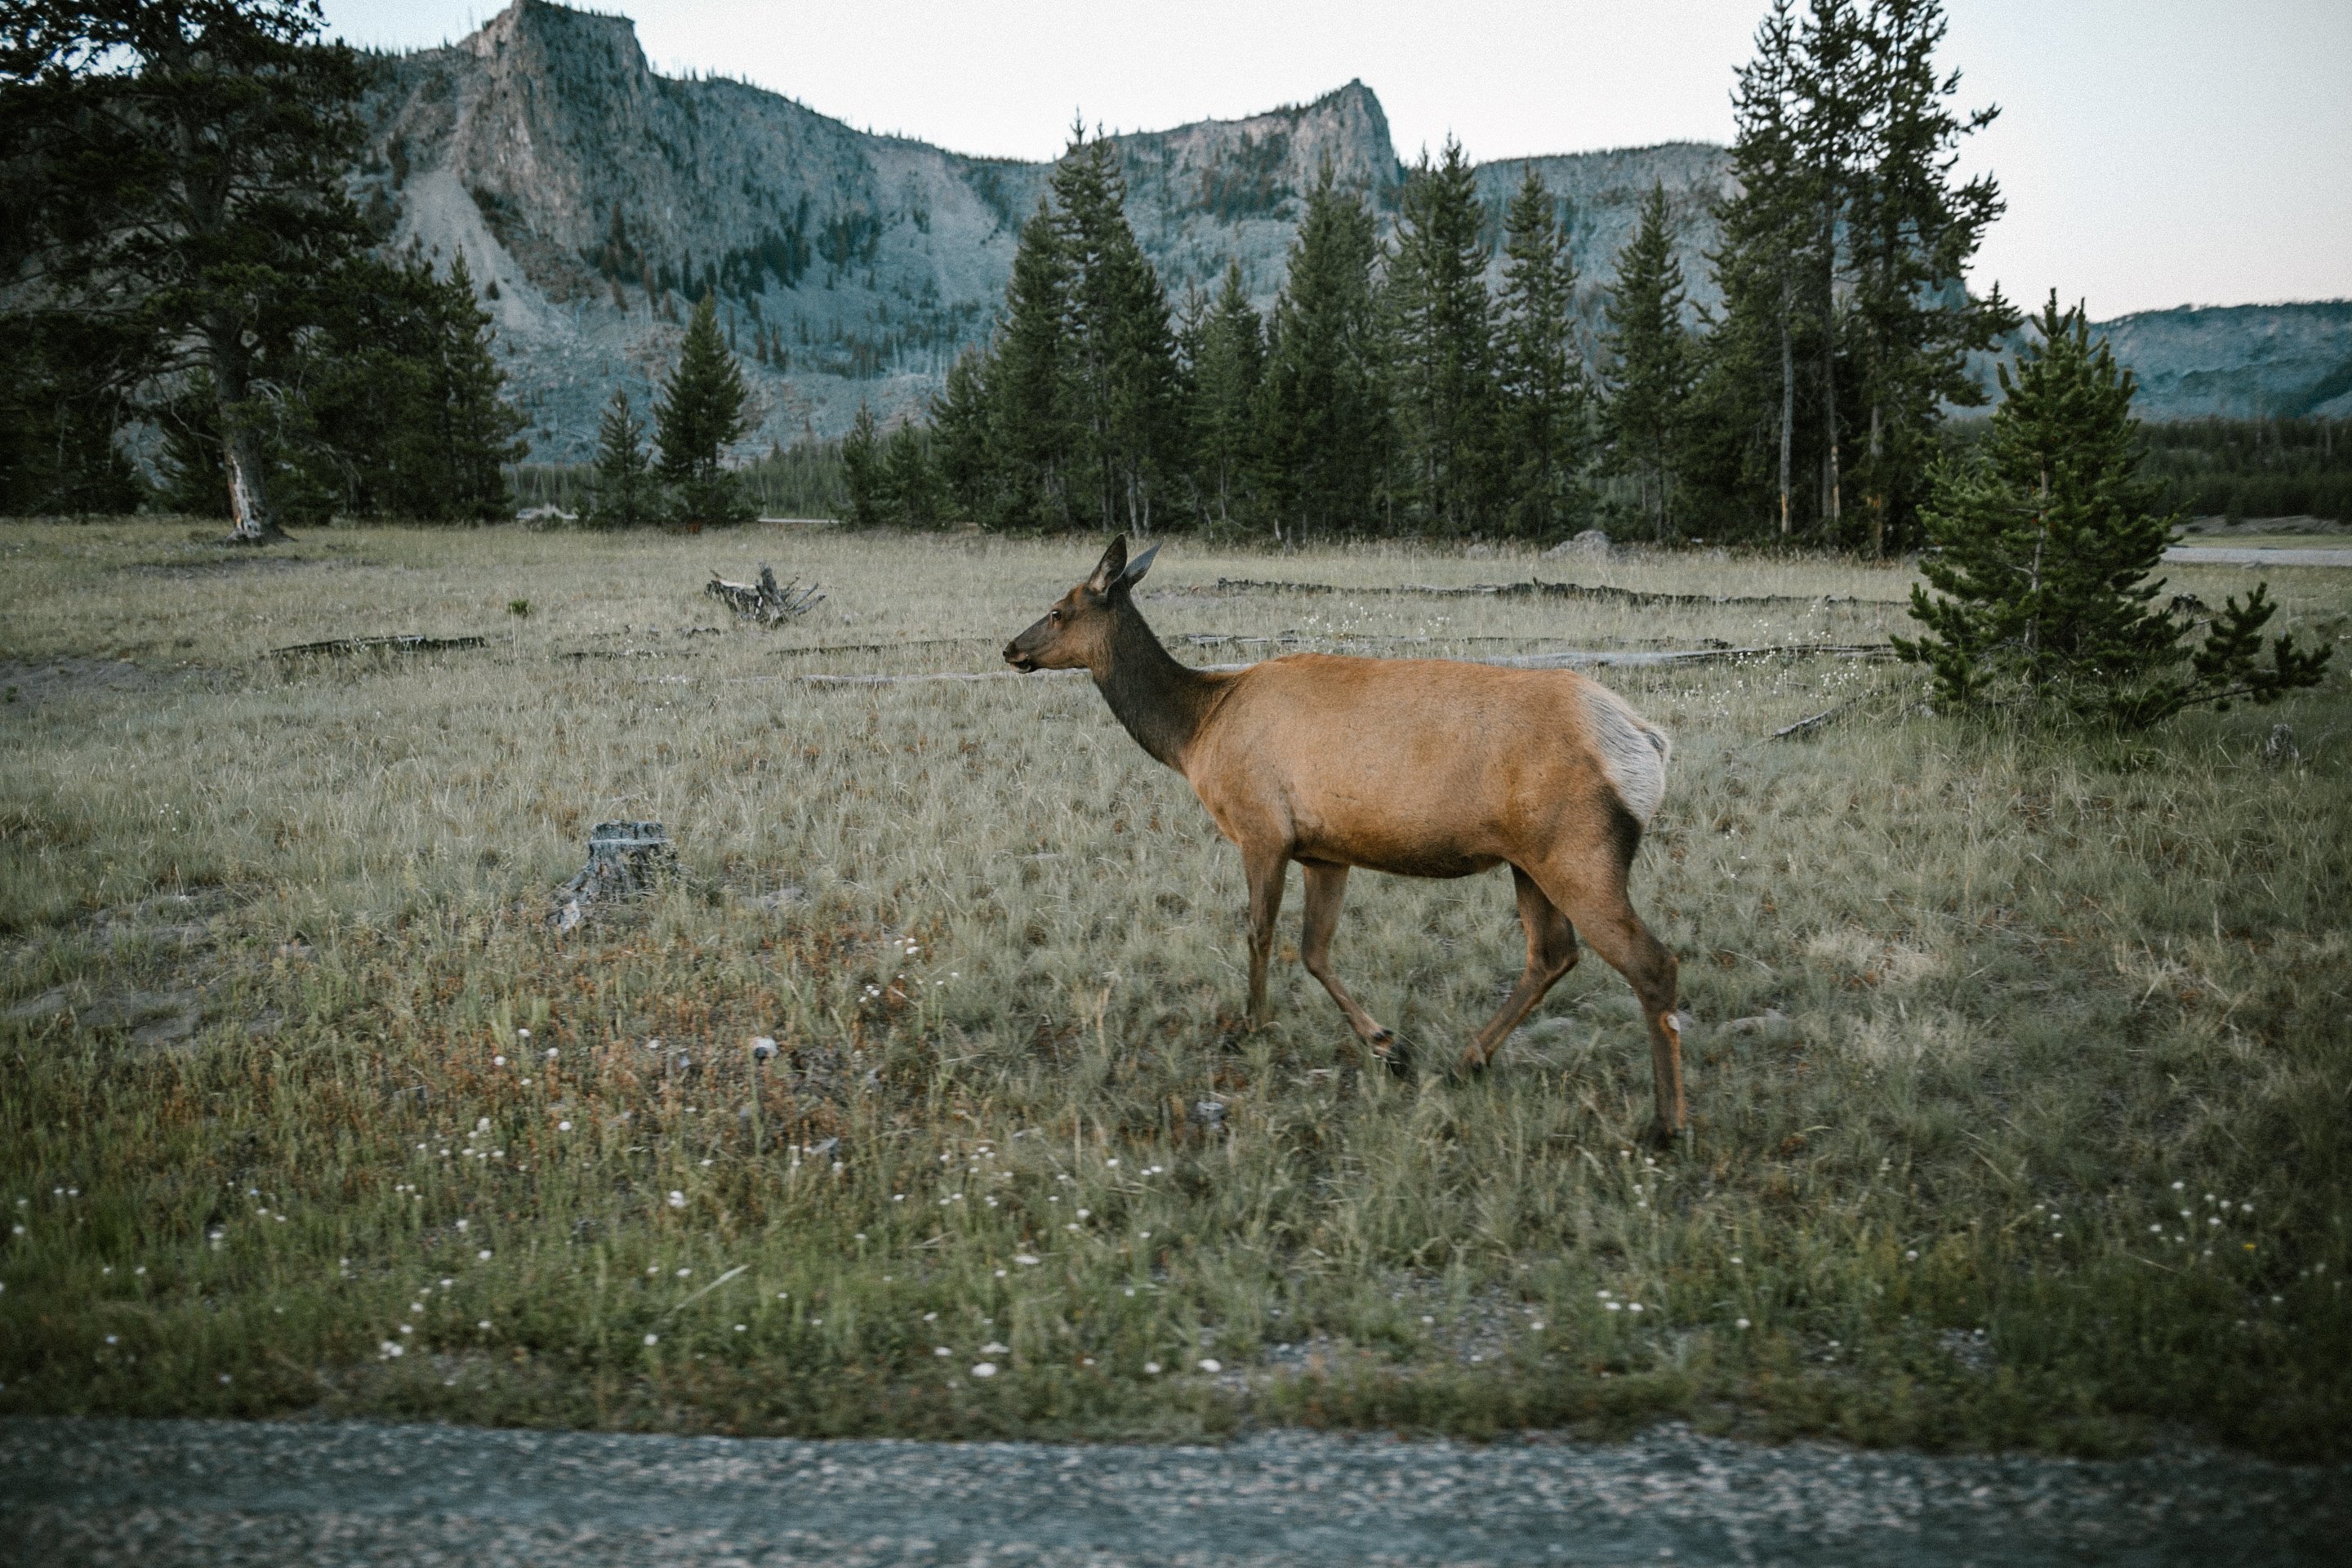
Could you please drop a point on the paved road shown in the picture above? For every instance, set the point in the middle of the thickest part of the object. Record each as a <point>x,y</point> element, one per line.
<point>99,1493</point>
<point>2242,556</point>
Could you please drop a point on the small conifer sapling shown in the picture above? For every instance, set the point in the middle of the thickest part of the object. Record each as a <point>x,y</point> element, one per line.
<point>2044,544</point>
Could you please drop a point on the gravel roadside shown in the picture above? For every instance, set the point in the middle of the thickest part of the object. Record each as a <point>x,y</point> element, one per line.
<point>166,1493</point>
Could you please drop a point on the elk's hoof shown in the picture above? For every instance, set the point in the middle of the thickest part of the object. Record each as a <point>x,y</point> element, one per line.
<point>1662,1136</point>
<point>1390,1053</point>
<point>1472,1065</point>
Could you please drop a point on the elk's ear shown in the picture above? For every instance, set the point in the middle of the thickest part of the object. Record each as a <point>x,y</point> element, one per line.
<point>1113,562</point>
<point>1137,568</point>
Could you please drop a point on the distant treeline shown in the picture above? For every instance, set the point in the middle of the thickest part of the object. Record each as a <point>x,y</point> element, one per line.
<point>2253,467</point>
<point>804,479</point>
<point>2236,469</point>
<point>2242,468</point>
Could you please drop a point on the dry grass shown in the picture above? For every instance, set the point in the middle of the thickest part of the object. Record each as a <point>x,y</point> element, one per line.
<point>271,924</point>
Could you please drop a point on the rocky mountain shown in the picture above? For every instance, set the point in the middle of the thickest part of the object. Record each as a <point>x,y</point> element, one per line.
<point>2239,361</point>
<point>594,199</point>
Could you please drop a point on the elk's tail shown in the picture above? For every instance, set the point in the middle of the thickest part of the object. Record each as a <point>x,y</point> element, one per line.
<point>1633,752</point>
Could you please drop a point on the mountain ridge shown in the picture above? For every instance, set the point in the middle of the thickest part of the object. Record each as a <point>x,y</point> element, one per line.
<point>546,148</point>
<point>593,198</point>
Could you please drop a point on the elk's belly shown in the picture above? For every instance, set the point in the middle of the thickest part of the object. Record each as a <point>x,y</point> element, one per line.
<point>1403,843</point>
<point>1416,861</point>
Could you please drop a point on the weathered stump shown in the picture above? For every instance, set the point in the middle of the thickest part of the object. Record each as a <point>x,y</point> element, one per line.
<point>764,601</point>
<point>625,860</point>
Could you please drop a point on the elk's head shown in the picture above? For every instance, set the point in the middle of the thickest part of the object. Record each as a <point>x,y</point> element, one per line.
<point>1075,633</point>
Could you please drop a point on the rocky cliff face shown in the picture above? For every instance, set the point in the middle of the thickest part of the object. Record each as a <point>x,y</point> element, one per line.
<point>2239,361</point>
<point>600,198</point>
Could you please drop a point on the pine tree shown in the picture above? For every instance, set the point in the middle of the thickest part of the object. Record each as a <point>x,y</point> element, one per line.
<point>473,428</point>
<point>1830,90</point>
<point>1914,232</point>
<point>960,418</point>
<point>1750,375</point>
<point>390,403</point>
<point>177,173</point>
<point>911,480</point>
<point>1443,356</point>
<point>66,395</point>
<point>2046,544</point>
<point>863,474</point>
<point>1228,364</point>
<point>701,411</point>
<point>625,495</point>
<point>1651,353</point>
<point>1323,420</point>
<point>1122,354</point>
<point>1030,383</point>
<point>1546,417</point>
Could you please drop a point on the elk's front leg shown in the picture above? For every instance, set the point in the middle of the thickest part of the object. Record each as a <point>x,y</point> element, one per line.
<point>1265,870</point>
<point>1326,886</point>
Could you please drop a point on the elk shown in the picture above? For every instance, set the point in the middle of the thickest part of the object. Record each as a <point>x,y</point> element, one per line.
<point>1415,767</point>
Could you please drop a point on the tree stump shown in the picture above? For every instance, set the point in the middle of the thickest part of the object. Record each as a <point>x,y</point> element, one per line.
<point>625,859</point>
<point>764,601</point>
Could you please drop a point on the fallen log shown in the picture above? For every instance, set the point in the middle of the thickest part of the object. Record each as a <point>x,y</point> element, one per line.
<point>1808,724</point>
<point>408,643</point>
<point>764,601</point>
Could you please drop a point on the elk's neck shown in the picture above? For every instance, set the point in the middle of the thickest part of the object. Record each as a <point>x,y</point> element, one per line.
<point>1161,702</point>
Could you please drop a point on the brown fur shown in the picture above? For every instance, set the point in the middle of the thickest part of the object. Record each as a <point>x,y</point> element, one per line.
<point>1417,767</point>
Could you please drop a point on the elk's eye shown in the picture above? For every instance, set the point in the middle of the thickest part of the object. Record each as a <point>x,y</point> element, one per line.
<point>1053,614</point>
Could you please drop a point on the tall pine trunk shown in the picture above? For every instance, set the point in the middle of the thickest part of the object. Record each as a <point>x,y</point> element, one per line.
<point>1877,486</point>
<point>1788,401</point>
<point>1829,360</point>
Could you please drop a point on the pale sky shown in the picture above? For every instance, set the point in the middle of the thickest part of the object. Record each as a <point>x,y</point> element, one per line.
<point>2154,153</point>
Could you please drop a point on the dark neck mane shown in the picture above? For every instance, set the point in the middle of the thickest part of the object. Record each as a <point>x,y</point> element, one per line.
<point>1161,702</point>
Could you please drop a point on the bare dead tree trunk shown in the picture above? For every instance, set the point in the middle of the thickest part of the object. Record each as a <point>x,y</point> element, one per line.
<point>248,490</point>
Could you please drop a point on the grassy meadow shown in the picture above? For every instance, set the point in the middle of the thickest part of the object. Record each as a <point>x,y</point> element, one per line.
<point>2020,1063</point>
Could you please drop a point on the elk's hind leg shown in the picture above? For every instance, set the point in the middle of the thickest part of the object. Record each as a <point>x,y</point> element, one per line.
<point>1551,952</point>
<point>1606,918</point>
<point>1589,887</point>
<point>1326,886</point>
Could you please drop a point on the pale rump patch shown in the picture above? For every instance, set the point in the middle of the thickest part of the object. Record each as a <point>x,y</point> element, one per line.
<point>1633,753</point>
